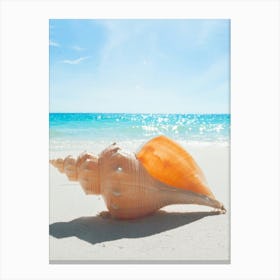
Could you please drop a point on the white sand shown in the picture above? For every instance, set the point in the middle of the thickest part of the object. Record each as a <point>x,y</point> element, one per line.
<point>180,233</point>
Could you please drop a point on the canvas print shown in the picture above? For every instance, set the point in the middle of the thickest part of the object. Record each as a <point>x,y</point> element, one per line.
<point>139,140</point>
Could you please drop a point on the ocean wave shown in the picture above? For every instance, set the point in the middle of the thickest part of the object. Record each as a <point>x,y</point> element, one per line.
<point>74,128</point>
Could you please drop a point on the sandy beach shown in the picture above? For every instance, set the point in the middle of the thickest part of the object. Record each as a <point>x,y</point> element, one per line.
<point>118,84</point>
<point>82,232</point>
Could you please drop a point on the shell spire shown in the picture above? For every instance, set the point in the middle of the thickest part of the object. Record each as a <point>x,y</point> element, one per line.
<point>84,169</point>
<point>135,185</point>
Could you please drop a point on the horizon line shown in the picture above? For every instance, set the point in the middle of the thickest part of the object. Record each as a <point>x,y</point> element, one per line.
<point>147,113</point>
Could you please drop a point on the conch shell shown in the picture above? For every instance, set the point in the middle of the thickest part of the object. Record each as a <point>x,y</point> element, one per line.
<point>135,185</point>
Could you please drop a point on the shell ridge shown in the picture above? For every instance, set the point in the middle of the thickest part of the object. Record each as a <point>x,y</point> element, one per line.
<point>128,184</point>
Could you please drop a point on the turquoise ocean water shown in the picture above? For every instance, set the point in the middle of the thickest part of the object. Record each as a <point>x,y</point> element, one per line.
<point>91,131</point>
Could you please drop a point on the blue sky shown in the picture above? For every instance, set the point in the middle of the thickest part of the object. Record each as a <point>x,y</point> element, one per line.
<point>139,66</point>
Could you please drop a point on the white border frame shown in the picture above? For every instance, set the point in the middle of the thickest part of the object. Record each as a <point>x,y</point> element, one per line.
<point>254,137</point>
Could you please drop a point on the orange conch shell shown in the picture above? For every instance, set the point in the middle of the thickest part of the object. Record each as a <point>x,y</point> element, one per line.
<point>135,185</point>
<point>169,163</point>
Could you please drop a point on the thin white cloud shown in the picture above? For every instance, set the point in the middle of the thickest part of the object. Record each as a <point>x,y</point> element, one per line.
<point>117,34</point>
<point>54,44</point>
<point>78,48</point>
<point>75,61</point>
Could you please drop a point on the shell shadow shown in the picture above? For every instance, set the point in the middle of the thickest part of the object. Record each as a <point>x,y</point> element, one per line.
<point>98,229</point>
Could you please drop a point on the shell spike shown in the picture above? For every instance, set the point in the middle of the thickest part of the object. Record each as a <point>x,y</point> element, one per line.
<point>137,184</point>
